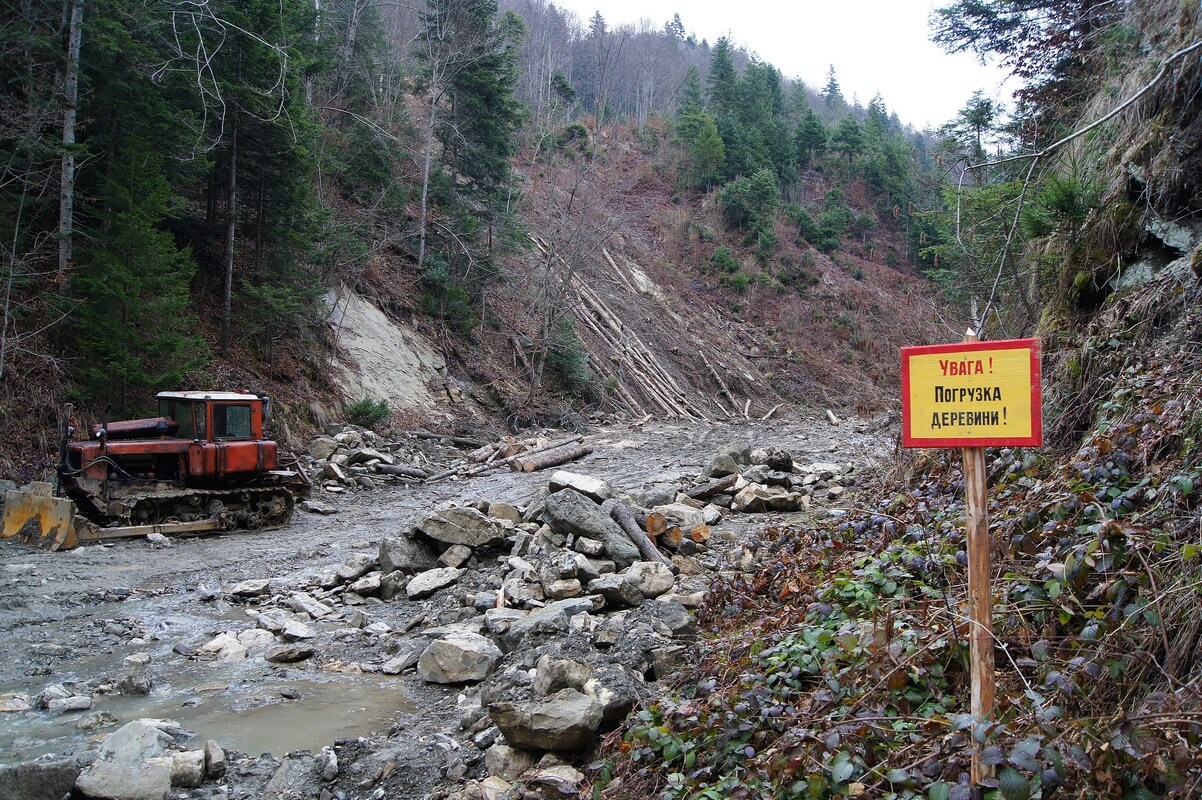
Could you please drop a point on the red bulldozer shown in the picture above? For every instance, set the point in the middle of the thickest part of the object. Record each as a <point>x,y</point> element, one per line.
<point>201,465</point>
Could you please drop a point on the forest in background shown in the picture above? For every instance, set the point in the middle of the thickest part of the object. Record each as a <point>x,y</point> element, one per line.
<point>183,183</point>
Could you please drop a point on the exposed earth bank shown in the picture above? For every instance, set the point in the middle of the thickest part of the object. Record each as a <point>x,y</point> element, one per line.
<point>479,655</point>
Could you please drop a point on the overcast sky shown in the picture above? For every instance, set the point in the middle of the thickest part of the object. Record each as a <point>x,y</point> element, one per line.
<point>875,45</point>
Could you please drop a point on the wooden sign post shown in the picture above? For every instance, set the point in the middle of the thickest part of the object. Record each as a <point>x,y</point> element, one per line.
<point>974,395</point>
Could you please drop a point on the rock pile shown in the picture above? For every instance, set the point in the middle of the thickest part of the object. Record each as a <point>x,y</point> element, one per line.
<point>550,618</point>
<point>349,458</point>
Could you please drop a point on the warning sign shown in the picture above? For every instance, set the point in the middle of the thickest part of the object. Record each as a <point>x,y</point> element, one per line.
<point>978,394</point>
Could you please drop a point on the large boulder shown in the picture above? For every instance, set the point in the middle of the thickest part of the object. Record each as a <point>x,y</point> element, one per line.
<point>463,525</point>
<point>569,512</point>
<point>595,489</point>
<point>458,658</point>
<point>425,584</point>
<point>567,720</point>
<point>405,554</point>
<point>134,743</point>
<point>651,578</point>
<point>551,620</point>
<point>618,591</point>
<point>110,780</point>
<point>38,780</point>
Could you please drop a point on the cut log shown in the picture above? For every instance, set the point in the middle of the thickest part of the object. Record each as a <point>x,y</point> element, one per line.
<point>482,468</point>
<point>656,524</point>
<point>550,458</point>
<point>483,453</point>
<point>402,471</point>
<point>699,533</point>
<point>672,537</point>
<point>711,488</point>
<point>622,514</point>
<point>458,441</point>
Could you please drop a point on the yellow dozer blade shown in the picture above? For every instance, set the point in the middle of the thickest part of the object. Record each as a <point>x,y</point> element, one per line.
<point>33,515</point>
<point>36,517</point>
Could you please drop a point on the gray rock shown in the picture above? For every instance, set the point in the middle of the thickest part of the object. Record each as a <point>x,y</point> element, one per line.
<point>568,512</point>
<point>135,677</point>
<point>111,780</point>
<point>317,507</point>
<point>323,447</point>
<point>455,555</point>
<point>617,591</point>
<point>134,743</point>
<point>188,768</point>
<point>617,689</point>
<point>588,547</point>
<point>567,720</point>
<point>553,674</point>
<point>651,578</point>
<point>595,489</point>
<point>292,779</point>
<point>296,631</point>
<point>78,702</point>
<point>306,604</point>
<point>506,762</point>
<point>94,722</point>
<point>289,654</point>
<point>505,511</point>
<point>464,525</point>
<point>38,780</point>
<point>356,566</point>
<point>739,451</point>
<point>558,782</point>
<point>563,588</point>
<point>458,658</point>
<point>255,587</point>
<point>214,760</point>
<point>368,585</point>
<point>721,466</point>
<point>405,554</point>
<point>552,620</point>
<point>774,458</point>
<point>425,584</point>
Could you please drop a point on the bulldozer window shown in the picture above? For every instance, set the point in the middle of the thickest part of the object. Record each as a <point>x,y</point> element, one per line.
<point>181,412</point>
<point>231,422</point>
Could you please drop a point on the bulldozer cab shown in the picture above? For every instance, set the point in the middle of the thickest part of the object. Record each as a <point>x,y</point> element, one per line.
<point>214,416</point>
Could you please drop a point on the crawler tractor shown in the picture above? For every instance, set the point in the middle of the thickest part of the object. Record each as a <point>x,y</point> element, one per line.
<point>201,465</point>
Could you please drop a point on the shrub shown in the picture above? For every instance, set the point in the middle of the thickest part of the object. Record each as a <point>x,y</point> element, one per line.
<point>737,282</point>
<point>724,260</point>
<point>567,359</point>
<point>367,412</point>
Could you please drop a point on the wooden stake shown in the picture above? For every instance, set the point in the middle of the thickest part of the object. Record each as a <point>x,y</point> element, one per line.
<point>980,601</point>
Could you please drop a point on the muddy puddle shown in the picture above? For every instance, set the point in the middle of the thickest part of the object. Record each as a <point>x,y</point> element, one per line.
<point>255,716</point>
<point>246,705</point>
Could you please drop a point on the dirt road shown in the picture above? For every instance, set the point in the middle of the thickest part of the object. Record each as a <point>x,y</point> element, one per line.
<point>70,618</point>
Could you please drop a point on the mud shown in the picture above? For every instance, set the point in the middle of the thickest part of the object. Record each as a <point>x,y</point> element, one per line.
<point>73,617</point>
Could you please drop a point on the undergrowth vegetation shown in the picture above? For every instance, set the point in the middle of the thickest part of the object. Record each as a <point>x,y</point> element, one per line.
<point>840,669</point>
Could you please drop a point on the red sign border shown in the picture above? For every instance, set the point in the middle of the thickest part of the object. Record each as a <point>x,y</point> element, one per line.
<point>1036,437</point>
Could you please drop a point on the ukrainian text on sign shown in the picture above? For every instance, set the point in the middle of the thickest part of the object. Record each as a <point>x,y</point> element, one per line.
<point>978,394</point>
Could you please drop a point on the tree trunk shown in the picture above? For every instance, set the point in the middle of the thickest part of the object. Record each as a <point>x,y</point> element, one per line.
<point>231,209</point>
<point>66,205</point>
<point>620,513</point>
<point>429,155</point>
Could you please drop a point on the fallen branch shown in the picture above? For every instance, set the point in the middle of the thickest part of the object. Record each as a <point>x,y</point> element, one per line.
<point>458,441</point>
<point>482,468</point>
<point>620,513</point>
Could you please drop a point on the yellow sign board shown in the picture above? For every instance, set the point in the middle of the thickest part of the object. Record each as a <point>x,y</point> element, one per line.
<point>976,394</point>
